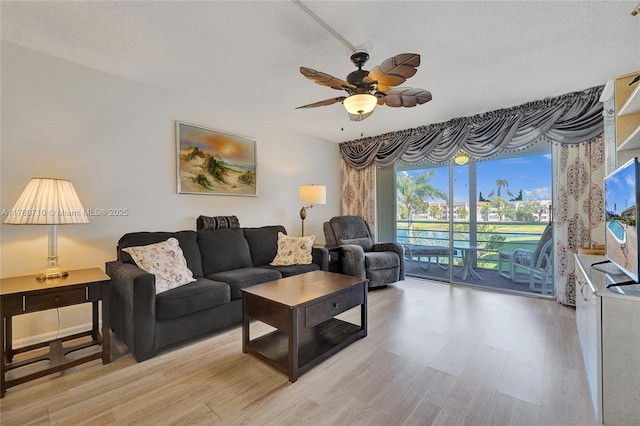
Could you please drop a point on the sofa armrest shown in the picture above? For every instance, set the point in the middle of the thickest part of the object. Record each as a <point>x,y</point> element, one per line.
<point>132,307</point>
<point>394,247</point>
<point>320,257</point>
<point>353,260</point>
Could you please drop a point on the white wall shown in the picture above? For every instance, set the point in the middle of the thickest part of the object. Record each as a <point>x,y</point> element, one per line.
<point>115,140</point>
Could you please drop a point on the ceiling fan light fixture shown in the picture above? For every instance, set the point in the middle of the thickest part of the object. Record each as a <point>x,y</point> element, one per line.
<point>461,158</point>
<point>360,103</point>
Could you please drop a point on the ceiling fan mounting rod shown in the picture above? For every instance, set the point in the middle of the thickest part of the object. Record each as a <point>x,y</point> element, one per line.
<point>359,58</point>
<point>325,25</point>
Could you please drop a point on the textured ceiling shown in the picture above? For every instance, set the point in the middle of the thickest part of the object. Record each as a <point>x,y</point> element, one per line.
<point>477,56</point>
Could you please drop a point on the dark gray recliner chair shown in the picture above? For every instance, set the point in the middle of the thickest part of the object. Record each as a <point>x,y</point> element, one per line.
<point>380,263</point>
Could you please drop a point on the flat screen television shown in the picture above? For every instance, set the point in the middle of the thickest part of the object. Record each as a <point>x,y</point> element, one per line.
<point>621,207</point>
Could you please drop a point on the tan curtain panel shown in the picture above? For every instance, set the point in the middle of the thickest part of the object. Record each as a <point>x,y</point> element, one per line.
<point>571,118</point>
<point>358,192</point>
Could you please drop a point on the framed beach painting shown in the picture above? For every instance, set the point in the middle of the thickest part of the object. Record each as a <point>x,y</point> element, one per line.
<point>213,162</point>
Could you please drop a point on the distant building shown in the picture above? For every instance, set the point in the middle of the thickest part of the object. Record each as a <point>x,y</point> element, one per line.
<point>629,213</point>
<point>493,216</point>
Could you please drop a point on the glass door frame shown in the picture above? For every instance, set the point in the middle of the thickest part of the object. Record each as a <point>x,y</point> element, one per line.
<point>476,233</point>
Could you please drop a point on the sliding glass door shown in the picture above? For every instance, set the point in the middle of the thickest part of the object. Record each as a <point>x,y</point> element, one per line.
<point>423,224</point>
<point>482,223</point>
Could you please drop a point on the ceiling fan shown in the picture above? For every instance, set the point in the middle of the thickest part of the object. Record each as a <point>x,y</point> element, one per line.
<point>367,89</point>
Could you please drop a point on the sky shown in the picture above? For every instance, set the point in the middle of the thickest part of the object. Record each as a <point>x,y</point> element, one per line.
<point>620,189</point>
<point>532,174</point>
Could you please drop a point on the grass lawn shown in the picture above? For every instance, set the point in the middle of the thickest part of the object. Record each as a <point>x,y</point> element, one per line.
<point>505,227</point>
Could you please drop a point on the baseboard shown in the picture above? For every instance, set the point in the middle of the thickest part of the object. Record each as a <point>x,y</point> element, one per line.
<point>45,337</point>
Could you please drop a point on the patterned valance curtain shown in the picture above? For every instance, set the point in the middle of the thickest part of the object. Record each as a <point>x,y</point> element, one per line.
<point>571,118</point>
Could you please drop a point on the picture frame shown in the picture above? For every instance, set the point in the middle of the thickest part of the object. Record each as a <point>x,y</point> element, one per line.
<point>214,162</point>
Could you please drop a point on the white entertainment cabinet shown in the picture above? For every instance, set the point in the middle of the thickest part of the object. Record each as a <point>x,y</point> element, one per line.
<point>608,321</point>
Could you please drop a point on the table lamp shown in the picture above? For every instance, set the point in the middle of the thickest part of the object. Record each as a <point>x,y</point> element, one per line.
<point>311,195</point>
<point>48,201</point>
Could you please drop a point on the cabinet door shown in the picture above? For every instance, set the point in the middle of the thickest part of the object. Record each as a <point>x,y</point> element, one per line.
<point>594,344</point>
<point>581,312</point>
<point>621,361</point>
<point>588,323</point>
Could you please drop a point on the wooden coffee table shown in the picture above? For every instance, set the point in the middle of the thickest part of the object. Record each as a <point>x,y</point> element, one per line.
<point>302,309</point>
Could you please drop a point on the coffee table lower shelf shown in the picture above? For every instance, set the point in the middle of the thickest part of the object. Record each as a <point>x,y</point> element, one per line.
<point>314,345</point>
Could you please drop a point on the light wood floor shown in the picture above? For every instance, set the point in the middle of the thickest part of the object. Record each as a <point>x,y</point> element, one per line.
<point>435,354</point>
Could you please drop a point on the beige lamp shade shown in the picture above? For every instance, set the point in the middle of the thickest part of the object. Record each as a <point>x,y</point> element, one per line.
<point>362,103</point>
<point>313,194</point>
<point>47,201</point>
<point>53,202</point>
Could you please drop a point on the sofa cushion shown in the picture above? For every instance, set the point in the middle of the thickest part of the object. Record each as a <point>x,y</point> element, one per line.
<point>198,296</point>
<point>293,250</point>
<point>188,244</point>
<point>290,270</point>
<point>244,277</point>
<point>164,260</point>
<point>263,243</point>
<point>381,260</point>
<point>223,250</point>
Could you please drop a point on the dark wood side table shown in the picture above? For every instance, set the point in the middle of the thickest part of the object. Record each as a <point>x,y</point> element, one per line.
<point>21,295</point>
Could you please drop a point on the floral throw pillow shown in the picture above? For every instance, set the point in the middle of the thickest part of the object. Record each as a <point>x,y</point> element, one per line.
<point>166,261</point>
<point>293,250</point>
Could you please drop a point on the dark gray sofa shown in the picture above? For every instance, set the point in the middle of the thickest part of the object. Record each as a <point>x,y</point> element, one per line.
<point>222,261</point>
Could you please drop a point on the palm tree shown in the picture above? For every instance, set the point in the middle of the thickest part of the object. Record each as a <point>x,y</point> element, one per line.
<point>413,193</point>
<point>500,183</point>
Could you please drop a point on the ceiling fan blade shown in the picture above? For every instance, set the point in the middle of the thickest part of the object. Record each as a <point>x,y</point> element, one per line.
<point>324,103</point>
<point>406,97</point>
<point>325,79</point>
<point>394,71</point>
<point>359,117</point>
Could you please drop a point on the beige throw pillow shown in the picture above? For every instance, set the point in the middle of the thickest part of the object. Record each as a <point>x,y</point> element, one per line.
<point>293,250</point>
<point>166,261</point>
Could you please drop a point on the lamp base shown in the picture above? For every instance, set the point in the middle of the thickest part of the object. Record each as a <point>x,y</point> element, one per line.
<point>303,216</point>
<point>53,271</point>
<point>51,274</point>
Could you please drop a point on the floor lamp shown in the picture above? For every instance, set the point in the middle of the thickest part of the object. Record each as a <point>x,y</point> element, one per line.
<point>311,195</point>
<point>53,202</point>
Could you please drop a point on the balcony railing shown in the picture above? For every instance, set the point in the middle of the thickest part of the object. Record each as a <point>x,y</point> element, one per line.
<point>491,237</point>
